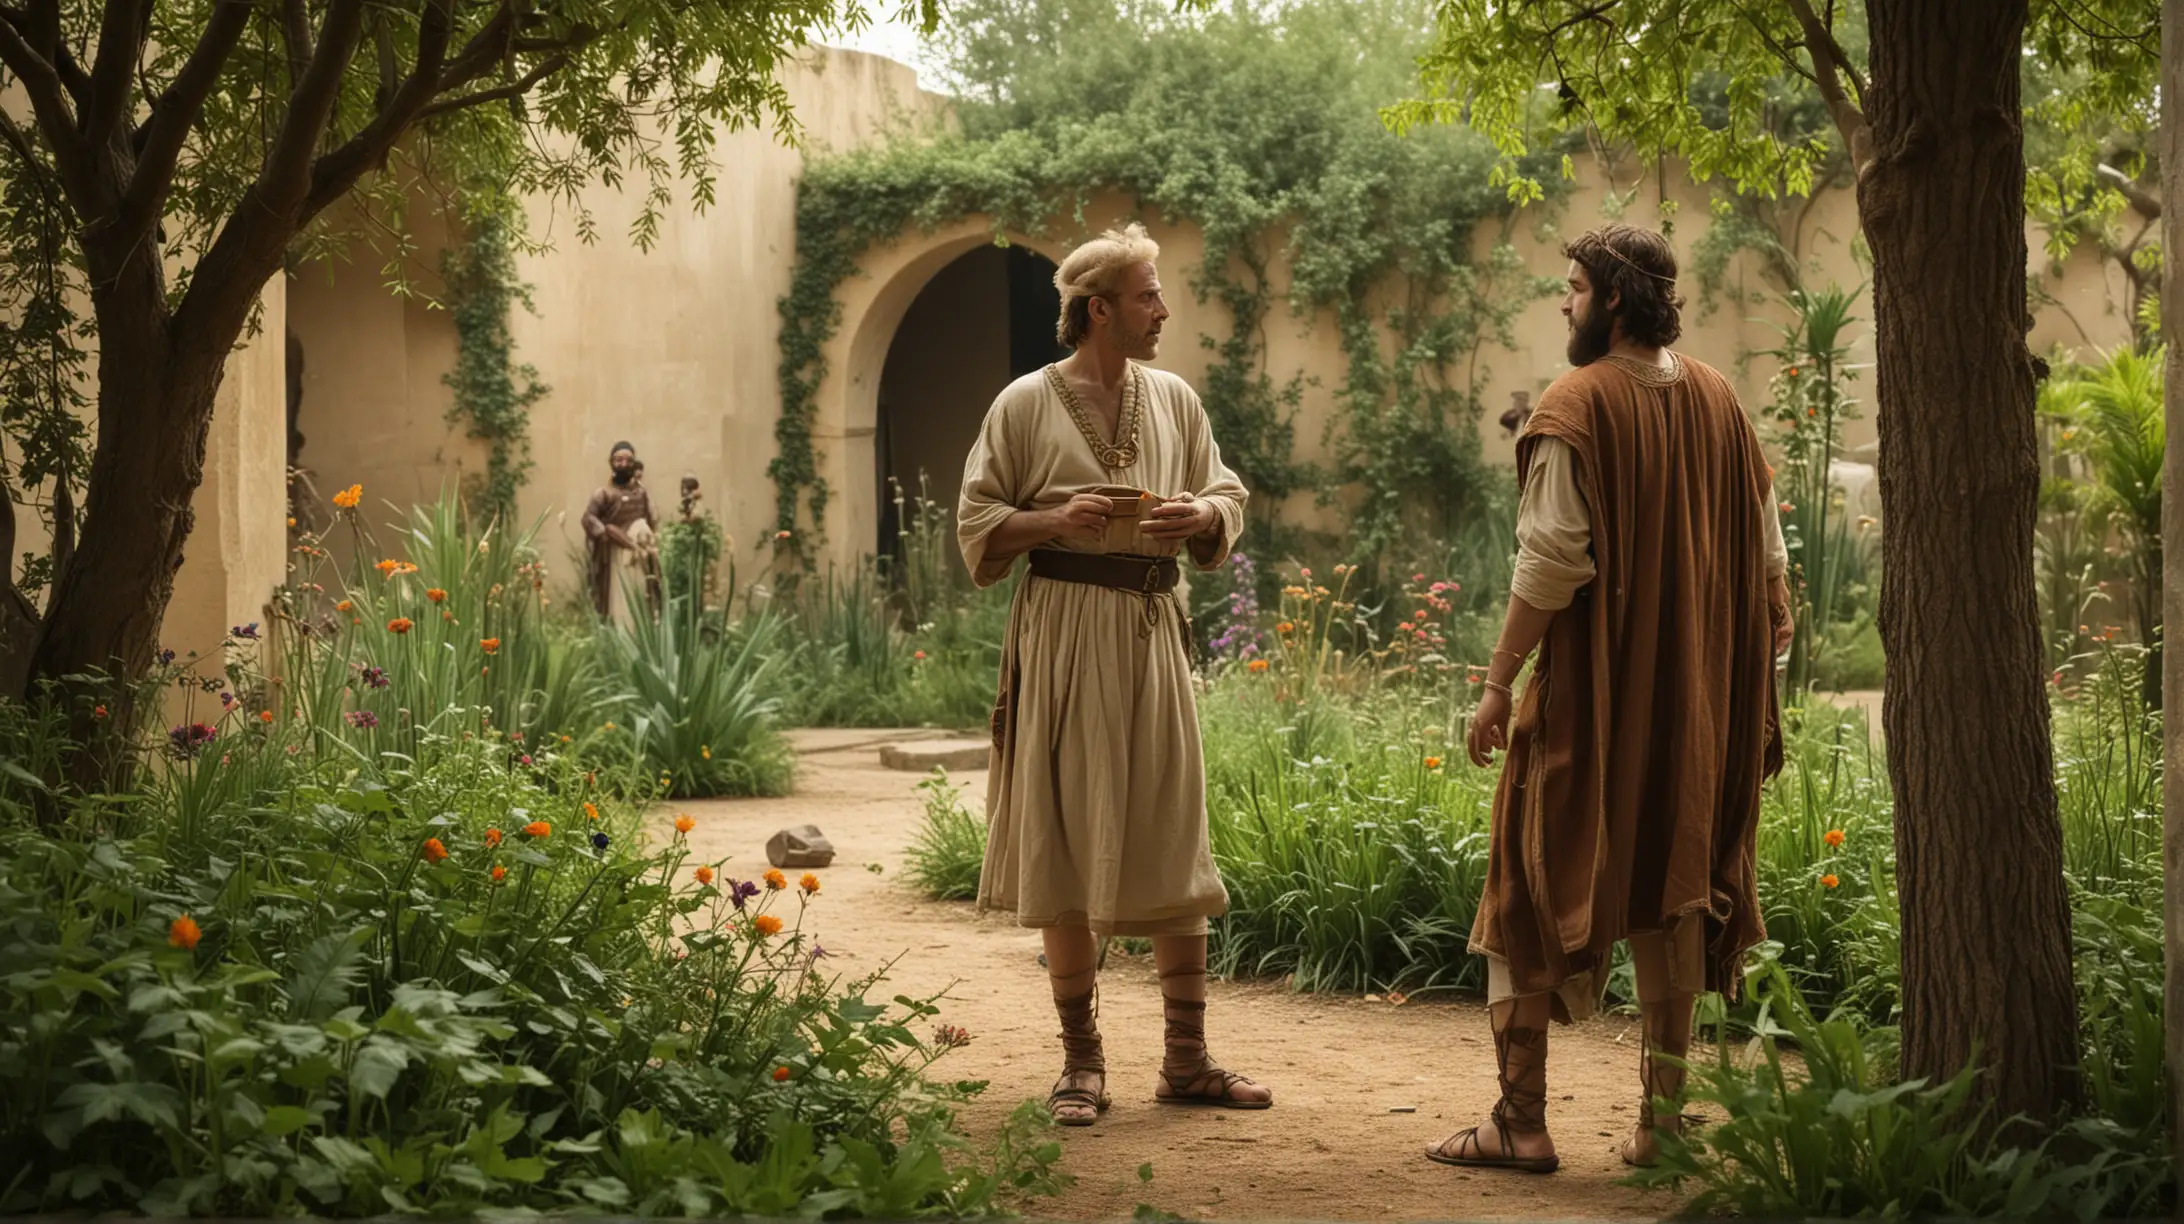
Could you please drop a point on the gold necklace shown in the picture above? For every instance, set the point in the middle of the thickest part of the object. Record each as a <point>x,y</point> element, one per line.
<point>1123,451</point>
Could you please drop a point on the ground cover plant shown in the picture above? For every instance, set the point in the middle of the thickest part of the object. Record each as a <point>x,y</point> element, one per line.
<point>307,969</point>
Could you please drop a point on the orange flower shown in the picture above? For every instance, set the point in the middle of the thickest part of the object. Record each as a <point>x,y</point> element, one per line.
<point>683,823</point>
<point>1433,762</point>
<point>590,812</point>
<point>388,566</point>
<point>265,716</point>
<point>1834,837</point>
<point>349,497</point>
<point>436,595</point>
<point>400,624</point>
<point>1829,881</point>
<point>781,1074</point>
<point>537,828</point>
<point>489,645</point>
<point>492,838</point>
<point>704,875</point>
<point>183,933</point>
<point>1285,627</point>
<point>1257,665</point>
<point>767,924</point>
<point>100,711</point>
<point>345,606</point>
<point>919,656</point>
<point>434,851</point>
<point>775,880</point>
<point>499,873</point>
<point>810,883</point>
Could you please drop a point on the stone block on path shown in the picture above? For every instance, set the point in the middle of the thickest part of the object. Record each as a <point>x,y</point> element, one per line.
<point>799,846</point>
<point>924,756</point>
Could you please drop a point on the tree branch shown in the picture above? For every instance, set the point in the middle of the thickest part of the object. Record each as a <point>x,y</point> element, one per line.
<point>56,120</point>
<point>2146,203</point>
<point>500,94</point>
<point>296,36</point>
<point>286,179</point>
<point>336,172</point>
<point>1828,61</point>
<point>113,70</point>
<point>175,111</point>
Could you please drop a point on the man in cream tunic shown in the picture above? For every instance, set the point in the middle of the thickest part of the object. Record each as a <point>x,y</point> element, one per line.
<point>1096,804</point>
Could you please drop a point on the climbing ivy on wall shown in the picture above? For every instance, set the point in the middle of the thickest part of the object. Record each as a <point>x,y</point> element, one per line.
<point>1259,129</point>
<point>493,394</point>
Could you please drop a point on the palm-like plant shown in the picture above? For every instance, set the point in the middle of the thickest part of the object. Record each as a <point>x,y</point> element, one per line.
<point>699,706</point>
<point>2121,435</point>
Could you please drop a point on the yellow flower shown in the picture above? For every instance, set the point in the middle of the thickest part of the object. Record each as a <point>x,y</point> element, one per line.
<point>706,751</point>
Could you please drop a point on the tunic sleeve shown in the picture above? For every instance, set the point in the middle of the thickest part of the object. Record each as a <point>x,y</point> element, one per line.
<point>1778,553</point>
<point>992,490</point>
<point>1554,531</point>
<point>1211,482</point>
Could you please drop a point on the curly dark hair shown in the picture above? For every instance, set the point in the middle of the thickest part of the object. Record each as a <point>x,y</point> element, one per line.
<point>1638,266</point>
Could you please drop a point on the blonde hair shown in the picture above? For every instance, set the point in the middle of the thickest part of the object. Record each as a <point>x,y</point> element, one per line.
<point>1091,271</point>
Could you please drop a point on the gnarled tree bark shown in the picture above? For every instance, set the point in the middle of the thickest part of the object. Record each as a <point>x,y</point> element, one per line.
<point>1986,919</point>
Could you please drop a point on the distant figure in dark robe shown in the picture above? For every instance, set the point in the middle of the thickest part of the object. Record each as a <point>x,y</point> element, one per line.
<point>622,532</point>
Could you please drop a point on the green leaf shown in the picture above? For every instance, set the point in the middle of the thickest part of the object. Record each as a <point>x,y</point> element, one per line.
<point>284,1120</point>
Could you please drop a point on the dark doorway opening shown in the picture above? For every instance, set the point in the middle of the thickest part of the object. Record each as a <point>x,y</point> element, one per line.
<point>982,322</point>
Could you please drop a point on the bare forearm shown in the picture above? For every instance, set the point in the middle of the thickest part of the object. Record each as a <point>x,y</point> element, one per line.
<point>1020,532</point>
<point>1522,628</point>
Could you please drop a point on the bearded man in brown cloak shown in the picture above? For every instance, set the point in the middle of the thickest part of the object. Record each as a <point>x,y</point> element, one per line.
<point>1651,579</point>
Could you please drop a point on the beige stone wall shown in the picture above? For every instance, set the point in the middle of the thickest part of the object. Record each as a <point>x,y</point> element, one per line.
<point>238,552</point>
<point>676,349</point>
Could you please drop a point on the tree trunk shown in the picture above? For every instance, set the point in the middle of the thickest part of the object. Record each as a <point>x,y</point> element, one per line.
<point>2172,528</point>
<point>155,413</point>
<point>1986,921</point>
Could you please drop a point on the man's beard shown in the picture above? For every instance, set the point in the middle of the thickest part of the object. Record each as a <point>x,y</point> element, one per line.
<point>1591,336</point>
<point>1140,345</point>
<point>623,476</point>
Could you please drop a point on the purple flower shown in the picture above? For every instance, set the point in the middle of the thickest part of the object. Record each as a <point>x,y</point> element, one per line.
<point>166,658</point>
<point>363,720</point>
<point>186,742</point>
<point>248,633</point>
<point>526,759</point>
<point>1240,637</point>
<point>227,699</point>
<point>374,677</point>
<point>740,891</point>
<point>599,841</point>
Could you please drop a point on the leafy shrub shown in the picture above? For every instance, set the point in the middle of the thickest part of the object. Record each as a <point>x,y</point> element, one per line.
<point>1833,1135</point>
<point>285,980</point>
<point>698,711</point>
<point>950,849</point>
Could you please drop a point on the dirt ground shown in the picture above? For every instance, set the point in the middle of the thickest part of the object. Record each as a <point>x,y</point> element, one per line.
<point>1360,1087</point>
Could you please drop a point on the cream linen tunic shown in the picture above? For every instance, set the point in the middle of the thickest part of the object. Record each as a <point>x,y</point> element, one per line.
<point>1096,795</point>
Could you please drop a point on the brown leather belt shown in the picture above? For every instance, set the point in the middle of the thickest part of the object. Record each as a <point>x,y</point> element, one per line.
<point>1136,575</point>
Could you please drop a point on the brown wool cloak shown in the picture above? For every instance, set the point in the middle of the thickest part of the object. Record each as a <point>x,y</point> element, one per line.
<point>1630,792</point>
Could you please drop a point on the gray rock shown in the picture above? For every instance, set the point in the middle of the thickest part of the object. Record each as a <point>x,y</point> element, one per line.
<point>801,846</point>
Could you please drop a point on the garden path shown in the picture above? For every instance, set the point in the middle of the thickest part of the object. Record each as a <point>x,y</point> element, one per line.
<point>1331,1149</point>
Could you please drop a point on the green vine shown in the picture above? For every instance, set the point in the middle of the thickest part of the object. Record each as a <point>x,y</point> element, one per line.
<point>493,394</point>
<point>1260,130</point>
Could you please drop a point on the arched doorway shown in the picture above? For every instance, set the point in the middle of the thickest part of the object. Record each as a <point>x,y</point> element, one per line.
<point>982,321</point>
